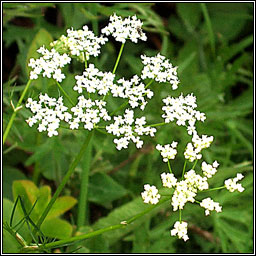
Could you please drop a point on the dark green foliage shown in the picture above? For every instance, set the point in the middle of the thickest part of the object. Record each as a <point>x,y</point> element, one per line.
<point>215,62</point>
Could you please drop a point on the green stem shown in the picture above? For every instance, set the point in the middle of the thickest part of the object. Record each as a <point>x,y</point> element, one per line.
<point>7,130</point>
<point>82,203</point>
<point>212,189</point>
<point>123,224</point>
<point>159,124</point>
<point>184,168</point>
<point>120,107</point>
<point>95,25</point>
<point>85,60</point>
<point>180,215</point>
<point>169,166</point>
<point>149,83</point>
<point>65,94</point>
<point>209,27</point>
<point>65,180</point>
<point>36,172</point>
<point>194,164</point>
<point>118,58</point>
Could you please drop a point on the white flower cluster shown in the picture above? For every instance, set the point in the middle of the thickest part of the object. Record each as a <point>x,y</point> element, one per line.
<point>168,180</point>
<point>183,110</point>
<point>88,112</point>
<point>159,69</point>
<point>150,195</point>
<point>79,42</point>
<point>167,151</point>
<point>50,64</point>
<point>231,184</point>
<point>180,229</point>
<point>93,80</point>
<point>186,190</point>
<point>129,129</point>
<point>192,151</point>
<point>132,90</point>
<point>48,111</point>
<point>121,30</point>
<point>201,143</point>
<point>209,170</point>
<point>210,205</point>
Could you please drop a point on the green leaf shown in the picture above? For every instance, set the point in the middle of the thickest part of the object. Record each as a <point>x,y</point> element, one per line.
<point>61,205</point>
<point>103,189</point>
<point>56,228</point>
<point>7,210</point>
<point>28,192</point>
<point>141,238</point>
<point>190,13</point>
<point>95,244</point>
<point>9,175</point>
<point>14,33</point>
<point>234,15</point>
<point>44,197</point>
<point>72,14</point>
<point>177,28</point>
<point>123,213</point>
<point>236,48</point>
<point>10,244</point>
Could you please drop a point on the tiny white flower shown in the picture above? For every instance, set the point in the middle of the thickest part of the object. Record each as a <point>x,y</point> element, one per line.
<point>232,185</point>
<point>150,195</point>
<point>168,180</point>
<point>180,229</point>
<point>210,205</point>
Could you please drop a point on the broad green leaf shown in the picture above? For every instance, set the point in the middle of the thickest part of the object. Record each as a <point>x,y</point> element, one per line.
<point>61,205</point>
<point>95,244</point>
<point>44,197</point>
<point>103,189</point>
<point>40,152</point>
<point>10,244</point>
<point>56,228</point>
<point>73,15</point>
<point>15,33</point>
<point>28,192</point>
<point>123,213</point>
<point>141,238</point>
<point>9,175</point>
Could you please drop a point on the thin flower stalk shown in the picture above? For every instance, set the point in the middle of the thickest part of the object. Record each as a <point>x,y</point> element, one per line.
<point>7,130</point>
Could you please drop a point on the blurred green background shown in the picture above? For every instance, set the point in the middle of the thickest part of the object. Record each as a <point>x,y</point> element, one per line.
<point>212,45</point>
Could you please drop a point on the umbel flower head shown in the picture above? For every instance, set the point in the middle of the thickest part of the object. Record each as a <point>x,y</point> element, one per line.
<point>78,43</point>
<point>160,69</point>
<point>150,195</point>
<point>50,64</point>
<point>48,112</point>
<point>180,229</point>
<point>186,189</point>
<point>232,185</point>
<point>90,110</point>
<point>127,29</point>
